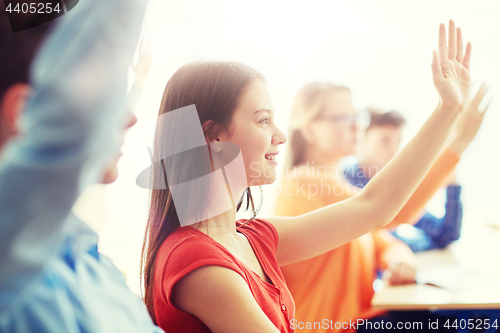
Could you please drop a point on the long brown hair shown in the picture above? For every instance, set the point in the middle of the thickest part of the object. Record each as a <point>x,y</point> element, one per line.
<point>307,105</point>
<point>215,89</point>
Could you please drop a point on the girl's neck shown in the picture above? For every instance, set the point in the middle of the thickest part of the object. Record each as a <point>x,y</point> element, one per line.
<point>222,224</point>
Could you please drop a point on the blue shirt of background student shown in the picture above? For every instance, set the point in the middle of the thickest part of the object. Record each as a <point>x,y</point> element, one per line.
<point>430,232</point>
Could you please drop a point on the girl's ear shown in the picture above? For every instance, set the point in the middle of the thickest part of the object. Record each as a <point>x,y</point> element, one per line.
<point>209,130</point>
<point>307,134</point>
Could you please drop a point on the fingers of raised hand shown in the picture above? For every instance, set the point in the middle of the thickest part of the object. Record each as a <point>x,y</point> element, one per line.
<point>452,41</point>
<point>436,66</point>
<point>454,49</point>
<point>487,106</point>
<point>443,49</point>
<point>479,96</point>
<point>144,51</point>
<point>141,67</point>
<point>468,51</point>
<point>145,47</point>
<point>477,100</point>
<point>460,46</point>
<point>141,44</point>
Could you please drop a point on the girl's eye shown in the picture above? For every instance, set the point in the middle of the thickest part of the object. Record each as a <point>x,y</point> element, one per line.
<point>264,120</point>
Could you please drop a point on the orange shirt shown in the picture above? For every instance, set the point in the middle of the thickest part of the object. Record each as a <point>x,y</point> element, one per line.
<point>337,286</point>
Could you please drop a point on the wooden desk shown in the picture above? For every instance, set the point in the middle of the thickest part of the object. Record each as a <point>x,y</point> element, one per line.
<point>424,297</point>
<point>473,252</point>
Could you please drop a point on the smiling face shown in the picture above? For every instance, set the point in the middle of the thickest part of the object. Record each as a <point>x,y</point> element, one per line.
<point>253,129</point>
<point>333,133</point>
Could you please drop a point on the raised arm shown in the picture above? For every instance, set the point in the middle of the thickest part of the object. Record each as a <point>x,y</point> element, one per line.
<point>70,132</point>
<point>322,230</point>
<point>464,133</point>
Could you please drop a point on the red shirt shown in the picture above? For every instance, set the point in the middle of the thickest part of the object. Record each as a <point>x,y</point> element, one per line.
<point>188,249</point>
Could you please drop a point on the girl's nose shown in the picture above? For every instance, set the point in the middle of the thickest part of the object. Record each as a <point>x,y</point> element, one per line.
<point>279,137</point>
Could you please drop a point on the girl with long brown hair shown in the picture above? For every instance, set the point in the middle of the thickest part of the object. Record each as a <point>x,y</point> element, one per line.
<point>219,275</point>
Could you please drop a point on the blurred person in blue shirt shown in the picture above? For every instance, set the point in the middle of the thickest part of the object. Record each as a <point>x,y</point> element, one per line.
<point>60,130</point>
<point>379,144</point>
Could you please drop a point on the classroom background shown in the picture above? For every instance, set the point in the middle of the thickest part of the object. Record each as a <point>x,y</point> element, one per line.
<point>381,50</point>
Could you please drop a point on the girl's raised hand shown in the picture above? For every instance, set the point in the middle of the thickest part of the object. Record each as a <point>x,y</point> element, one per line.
<point>469,123</point>
<point>141,68</point>
<point>450,69</point>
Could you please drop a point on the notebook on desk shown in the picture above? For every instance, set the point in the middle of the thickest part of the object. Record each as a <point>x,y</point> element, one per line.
<point>455,278</point>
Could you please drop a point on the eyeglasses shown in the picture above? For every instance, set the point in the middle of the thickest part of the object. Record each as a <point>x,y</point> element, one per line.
<point>360,119</point>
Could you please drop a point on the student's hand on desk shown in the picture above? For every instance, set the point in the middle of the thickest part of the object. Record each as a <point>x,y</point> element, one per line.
<point>469,123</point>
<point>450,69</point>
<point>400,273</point>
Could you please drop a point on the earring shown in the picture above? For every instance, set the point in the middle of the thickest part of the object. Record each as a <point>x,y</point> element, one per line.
<point>216,146</point>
